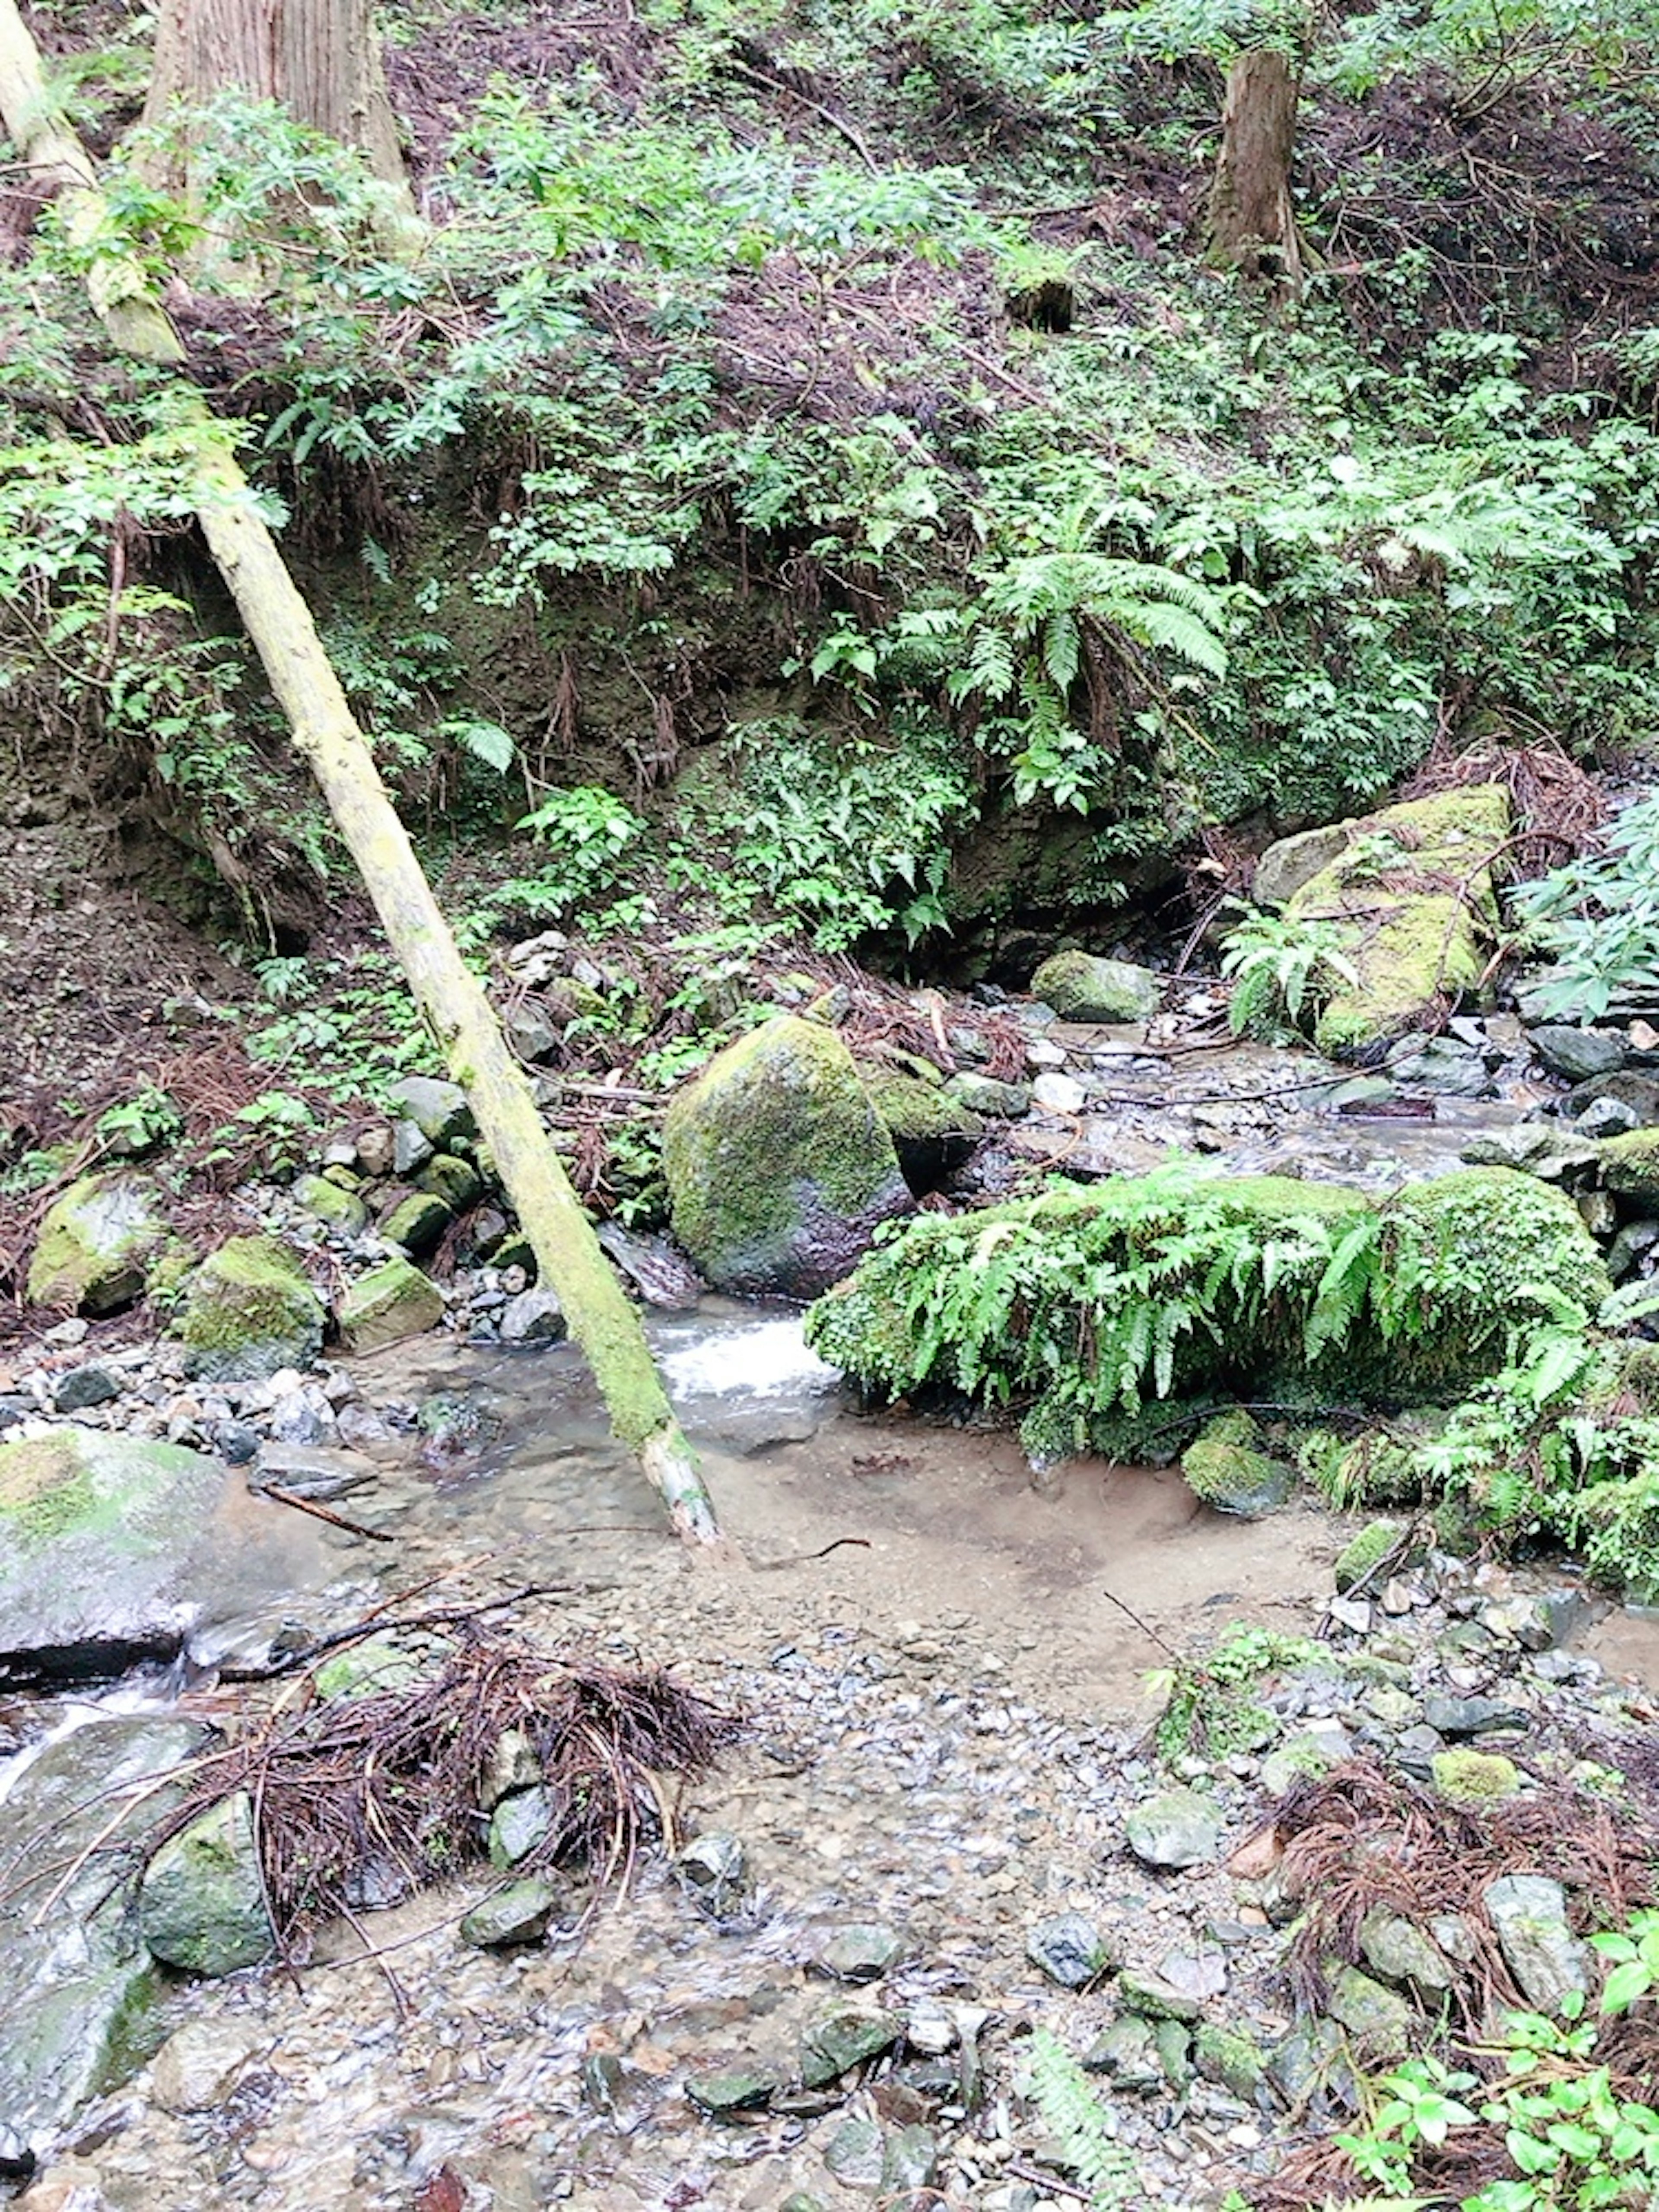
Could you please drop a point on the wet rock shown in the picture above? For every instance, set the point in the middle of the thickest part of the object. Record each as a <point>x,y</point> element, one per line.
<point>1176,1828</point>
<point>512,1764</point>
<point>96,1243</point>
<point>1081,986</point>
<point>1229,2057</point>
<point>1128,2053</point>
<point>196,2069</point>
<point>439,1110</point>
<point>1069,1949</point>
<point>1631,1247</point>
<point>1058,1094</point>
<point>1292,861</point>
<point>1379,2020</point>
<point>1577,1054</point>
<point>302,1416</point>
<point>17,2160</point>
<point>1529,1914</point>
<point>454,1426</point>
<point>744,2089</point>
<point>1401,1953</point>
<point>339,1209</point>
<point>236,1444</point>
<point>201,1904</point>
<point>862,1953</point>
<point>1365,1552</point>
<point>1446,1069</point>
<point>534,1317</point>
<point>842,2037</point>
<point>412,1148</point>
<point>416,1223</point>
<point>520,1913</point>
<point>377,1663</point>
<point>932,1132</point>
<point>106,1555</point>
<point>713,1870</point>
<point>78,1997</point>
<point>519,1825</point>
<point>1608,1117</point>
<point>658,1271</point>
<point>81,1387</point>
<point>1471,1715</point>
<point>1630,1166</point>
<point>391,1301</point>
<point>1151,1997</point>
<point>249,1312</point>
<point>983,1094</point>
<point>1223,1468</point>
<point>909,2160</point>
<point>1172,2039</point>
<point>778,1170</point>
<point>856,2155</point>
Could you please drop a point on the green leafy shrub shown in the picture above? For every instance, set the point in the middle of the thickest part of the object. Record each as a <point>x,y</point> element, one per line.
<point>1596,921</point>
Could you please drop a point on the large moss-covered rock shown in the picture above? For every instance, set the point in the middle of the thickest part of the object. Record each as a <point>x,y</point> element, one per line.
<point>1084,986</point>
<point>779,1168</point>
<point>1226,1469</point>
<point>250,1311</point>
<point>391,1301</point>
<point>96,1243</point>
<point>1630,1166</point>
<point>1411,900</point>
<point>79,1999</point>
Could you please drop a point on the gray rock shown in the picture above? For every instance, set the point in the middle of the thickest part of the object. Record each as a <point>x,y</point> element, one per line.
<point>520,1913</point>
<point>1229,2057</point>
<point>983,1094</point>
<point>412,1148</point>
<point>1380,2020</point>
<point>1530,1915</point>
<point>1058,1094</point>
<point>196,2069</point>
<point>340,1209</point>
<point>1069,1949</point>
<point>1399,1953</point>
<point>96,1242</point>
<point>862,1953</point>
<point>1577,1054</point>
<point>1176,1828</point>
<point>856,2155</point>
<point>1174,2043</point>
<point>439,1110</point>
<point>1128,2053</point>
<point>1447,1071</point>
<point>1456,1716</point>
<point>391,1301</point>
<point>713,1870</point>
<point>909,2160</point>
<point>1081,986</point>
<point>1292,861</point>
<point>82,1387</point>
<point>1638,1093</point>
<point>1631,1247</point>
<point>512,1764</point>
<point>534,1317</point>
<point>455,1183</point>
<point>742,2089</point>
<point>530,1032</point>
<point>1151,1997</point>
<point>1608,1117</point>
<point>518,1825</point>
<point>842,2037</point>
<point>77,1999</point>
<point>416,1223</point>
<point>201,1904</point>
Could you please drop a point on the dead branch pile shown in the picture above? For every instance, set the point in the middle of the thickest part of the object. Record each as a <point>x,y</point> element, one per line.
<point>1558,807</point>
<point>363,1798</point>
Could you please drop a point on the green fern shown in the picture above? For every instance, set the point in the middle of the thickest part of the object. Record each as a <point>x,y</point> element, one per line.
<point>1078,2120</point>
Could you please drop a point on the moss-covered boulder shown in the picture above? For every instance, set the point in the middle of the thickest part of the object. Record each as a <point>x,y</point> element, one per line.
<point>1630,1167</point>
<point>1086,1308</point>
<point>1411,902</point>
<point>96,1243</point>
<point>1226,1469</point>
<point>778,1167</point>
<point>249,1311</point>
<point>932,1132</point>
<point>101,1538</point>
<point>391,1301</point>
<point>333,1206</point>
<point>201,1905</point>
<point>1084,986</point>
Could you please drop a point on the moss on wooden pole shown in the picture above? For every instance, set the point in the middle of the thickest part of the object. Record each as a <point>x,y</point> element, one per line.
<point>325,732</point>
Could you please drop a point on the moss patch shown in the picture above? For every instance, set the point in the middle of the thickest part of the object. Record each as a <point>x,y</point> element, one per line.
<point>249,1311</point>
<point>96,1242</point>
<point>1226,1470</point>
<point>1630,1166</point>
<point>391,1301</point>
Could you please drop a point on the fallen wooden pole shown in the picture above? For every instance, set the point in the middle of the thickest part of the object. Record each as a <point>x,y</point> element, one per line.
<point>325,733</point>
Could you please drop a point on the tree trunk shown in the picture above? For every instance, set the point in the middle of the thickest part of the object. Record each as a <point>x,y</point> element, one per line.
<point>320,58</point>
<point>1252,225</point>
<point>278,621</point>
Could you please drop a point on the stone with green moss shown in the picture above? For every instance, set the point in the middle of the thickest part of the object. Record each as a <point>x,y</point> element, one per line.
<point>1630,1166</point>
<point>330,1203</point>
<point>455,1182</point>
<point>200,1904</point>
<point>391,1301</point>
<point>1474,1778</point>
<point>778,1167</point>
<point>1225,1470</point>
<point>418,1223</point>
<point>249,1311</point>
<point>1231,2057</point>
<point>1411,901</point>
<point>1083,986</point>
<point>1362,1554</point>
<point>96,1243</point>
<point>380,1663</point>
<point>932,1132</point>
<point>101,1549</point>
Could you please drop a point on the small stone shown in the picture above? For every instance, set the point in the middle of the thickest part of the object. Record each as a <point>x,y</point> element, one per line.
<point>713,1870</point>
<point>1229,2057</point>
<point>518,1825</point>
<point>983,1094</point>
<point>196,2068</point>
<point>1128,2053</point>
<point>1608,1117</point>
<point>512,1764</point>
<point>376,1149</point>
<point>1380,2020</point>
<point>454,1181</point>
<point>534,1317</point>
<point>855,2155</point>
<point>335,1207</point>
<point>530,1032</point>
<point>236,1444</point>
<point>439,1109</point>
<point>841,2037</point>
<point>1399,1953</point>
<point>520,1913</point>
<point>412,1148</point>
<point>1069,1949</point>
<point>418,1223</point>
<point>909,2160</point>
<point>391,1301</point>
<point>1172,2040</point>
<point>200,1904</point>
<point>65,1334</point>
<point>1059,1094</point>
<point>1352,1613</point>
<point>862,1953</point>
<point>742,2090</point>
<point>1529,1914</point>
<point>1309,1754</point>
<point>82,1387</point>
<point>1472,1715</point>
<point>1177,1828</point>
<point>1151,1997</point>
